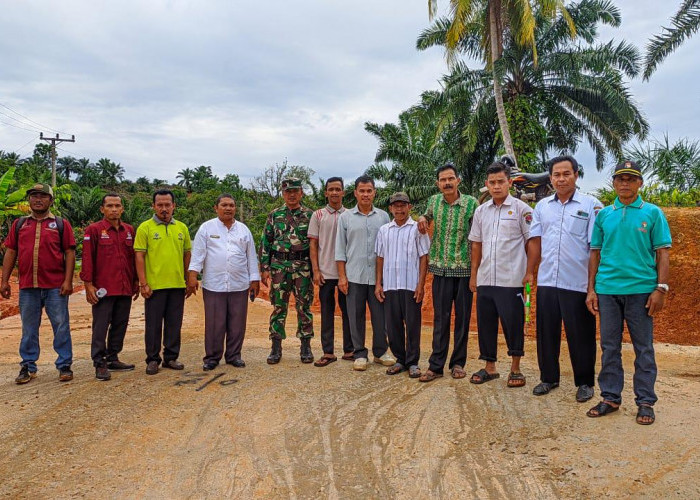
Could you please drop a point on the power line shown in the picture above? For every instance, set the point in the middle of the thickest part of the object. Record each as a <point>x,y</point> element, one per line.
<point>17,150</point>
<point>17,126</point>
<point>19,121</point>
<point>29,119</point>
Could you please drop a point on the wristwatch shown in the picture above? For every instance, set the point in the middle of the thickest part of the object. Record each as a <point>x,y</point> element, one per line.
<point>662,287</point>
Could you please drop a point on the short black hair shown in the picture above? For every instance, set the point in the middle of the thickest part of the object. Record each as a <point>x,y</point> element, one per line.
<point>561,159</point>
<point>111,195</point>
<point>224,195</point>
<point>496,168</point>
<point>335,179</point>
<point>364,179</point>
<point>163,192</point>
<point>446,166</point>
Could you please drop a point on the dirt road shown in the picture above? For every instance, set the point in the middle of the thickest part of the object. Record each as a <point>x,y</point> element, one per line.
<point>298,431</point>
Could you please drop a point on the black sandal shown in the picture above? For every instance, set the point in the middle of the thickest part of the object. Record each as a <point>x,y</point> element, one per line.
<point>601,409</point>
<point>645,411</point>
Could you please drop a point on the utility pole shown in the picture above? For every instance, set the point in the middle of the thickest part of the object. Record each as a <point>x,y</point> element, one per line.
<point>53,141</point>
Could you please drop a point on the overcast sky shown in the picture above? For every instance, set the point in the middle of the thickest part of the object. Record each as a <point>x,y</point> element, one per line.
<point>159,86</point>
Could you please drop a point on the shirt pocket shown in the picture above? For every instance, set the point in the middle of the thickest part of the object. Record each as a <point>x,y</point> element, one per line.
<point>105,247</point>
<point>576,224</point>
<point>509,227</point>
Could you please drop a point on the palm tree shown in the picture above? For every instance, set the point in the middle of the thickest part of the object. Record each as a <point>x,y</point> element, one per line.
<point>111,173</point>
<point>685,23</point>
<point>677,165</point>
<point>67,165</point>
<point>576,90</point>
<point>495,18</point>
<point>186,177</point>
<point>82,206</point>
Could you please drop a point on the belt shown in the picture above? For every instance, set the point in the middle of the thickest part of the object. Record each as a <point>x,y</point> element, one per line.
<point>303,255</point>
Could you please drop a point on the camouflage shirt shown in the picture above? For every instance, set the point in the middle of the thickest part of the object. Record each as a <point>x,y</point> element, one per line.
<point>285,231</point>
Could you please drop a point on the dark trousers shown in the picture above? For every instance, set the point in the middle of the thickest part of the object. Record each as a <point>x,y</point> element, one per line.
<point>110,317</point>
<point>504,303</point>
<point>164,311</point>
<point>446,292</point>
<point>553,306</point>
<point>359,296</point>
<point>403,322</point>
<point>326,295</point>
<point>615,310</point>
<point>225,316</point>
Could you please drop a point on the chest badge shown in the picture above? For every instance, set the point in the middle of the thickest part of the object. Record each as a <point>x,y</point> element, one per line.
<point>128,235</point>
<point>104,235</point>
<point>52,225</point>
<point>156,236</point>
<point>180,236</point>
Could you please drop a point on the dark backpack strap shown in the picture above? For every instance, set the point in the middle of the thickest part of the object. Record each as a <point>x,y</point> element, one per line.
<point>18,226</point>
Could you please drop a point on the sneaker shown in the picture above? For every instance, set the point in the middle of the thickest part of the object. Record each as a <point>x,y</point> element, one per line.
<point>65,374</point>
<point>102,373</point>
<point>118,366</point>
<point>584,393</point>
<point>24,376</point>
<point>360,364</point>
<point>386,359</point>
<point>152,368</point>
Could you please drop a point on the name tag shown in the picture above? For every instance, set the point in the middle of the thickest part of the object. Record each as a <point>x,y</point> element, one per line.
<point>215,236</point>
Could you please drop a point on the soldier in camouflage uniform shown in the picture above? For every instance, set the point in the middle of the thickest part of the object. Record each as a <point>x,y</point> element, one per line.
<point>285,258</point>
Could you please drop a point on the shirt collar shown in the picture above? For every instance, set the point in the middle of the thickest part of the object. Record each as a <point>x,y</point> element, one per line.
<point>220,223</point>
<point>158,221</point>
<point>637,203</point>
<point>573,197</point>
<point>107,225</point>
<point>332,210</point>
<point>507,202</point>
<point>408,222</point>
<point>461,200</point>
<point>49,215</point>
<point>356,210</point>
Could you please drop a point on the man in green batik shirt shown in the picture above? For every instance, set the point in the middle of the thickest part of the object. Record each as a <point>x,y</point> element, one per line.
<point>285,258</point>
<point>450,212</point>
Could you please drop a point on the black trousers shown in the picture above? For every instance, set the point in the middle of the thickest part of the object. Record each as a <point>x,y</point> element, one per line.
<point>553,306</point>
<point>326,296</point>
<point>359,297</point>
<point>164,310</point>
<point>403,323</point>
<point>110,317</point>
<point>504,303</point>
<point>446,292</point>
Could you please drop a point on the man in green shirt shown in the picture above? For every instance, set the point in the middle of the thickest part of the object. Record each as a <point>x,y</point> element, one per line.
<point>450,214</point>
<point>162,249</point>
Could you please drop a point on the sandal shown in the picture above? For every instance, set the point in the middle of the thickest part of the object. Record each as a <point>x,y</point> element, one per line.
<point>429,376</point>
<point>645,411</point>
<point>458,372</point>
<point>483,376</point>
<point>413,371</point>
<point>397,368</point>
<point>601,409</point>
<point>516,379</point>
<point>349,356</point>
<point>325,360</point>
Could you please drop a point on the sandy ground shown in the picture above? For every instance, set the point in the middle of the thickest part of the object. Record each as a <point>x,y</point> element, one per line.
<point>298,431</point>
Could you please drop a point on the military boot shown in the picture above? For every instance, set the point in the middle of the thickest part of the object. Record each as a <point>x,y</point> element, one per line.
<point>276,352</point>
<point>305,352</point>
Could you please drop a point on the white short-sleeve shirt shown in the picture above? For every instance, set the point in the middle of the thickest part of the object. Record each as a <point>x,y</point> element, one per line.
<point>503,231</point>
<point>401,247</point>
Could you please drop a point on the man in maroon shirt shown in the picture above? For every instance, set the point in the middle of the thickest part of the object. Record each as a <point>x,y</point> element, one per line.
<point>45,247</point>
<point>109,274</point>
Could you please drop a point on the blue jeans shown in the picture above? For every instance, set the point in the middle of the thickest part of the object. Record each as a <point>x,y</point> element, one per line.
<point>614,309</point>
<point>31,301</point>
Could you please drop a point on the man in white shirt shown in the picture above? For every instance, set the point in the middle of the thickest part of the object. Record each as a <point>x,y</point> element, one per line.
<point>224,251</point>
<point>561,230</point>
<point>402,263</point>
<point>499,234</point>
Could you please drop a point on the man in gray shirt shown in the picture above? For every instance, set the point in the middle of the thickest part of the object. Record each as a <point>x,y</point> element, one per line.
<point>356,259</point>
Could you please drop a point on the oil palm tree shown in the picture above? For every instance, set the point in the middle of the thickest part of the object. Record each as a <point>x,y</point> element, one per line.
<point>576,91</point>
<point>684,23</point>
<point>496,19</point>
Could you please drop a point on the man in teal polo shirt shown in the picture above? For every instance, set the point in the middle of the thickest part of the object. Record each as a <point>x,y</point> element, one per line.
<point>628,281</point>
<point>162,249</point>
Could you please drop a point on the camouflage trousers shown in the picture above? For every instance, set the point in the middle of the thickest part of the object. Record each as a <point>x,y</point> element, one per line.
<point>291,277</point>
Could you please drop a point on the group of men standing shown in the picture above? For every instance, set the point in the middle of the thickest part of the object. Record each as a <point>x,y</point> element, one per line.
<point>589,260</point>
